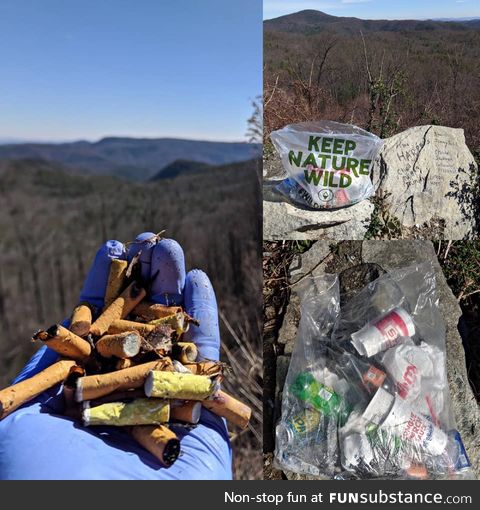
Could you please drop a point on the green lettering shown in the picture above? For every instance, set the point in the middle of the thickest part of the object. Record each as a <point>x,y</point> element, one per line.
<point>336,165</point>
<point>365,166</point>
<point>331,184</point>
<point>295,160</point>
<point>349,146</point>
<point>313,143</point>
<point>325,146</point>
<point>323,160</point>
<point>345,181</point>
<point>352,165</point>
<point>313,176</point>
<point>310,160</point>
<point>338,146</point>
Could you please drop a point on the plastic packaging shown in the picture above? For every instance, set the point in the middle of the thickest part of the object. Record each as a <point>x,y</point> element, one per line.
<point>328,164</point>
<point>374,374</point>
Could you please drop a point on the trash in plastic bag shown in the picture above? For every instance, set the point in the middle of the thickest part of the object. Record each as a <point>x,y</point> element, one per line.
<point>328,164</point>
<point>366,394</point>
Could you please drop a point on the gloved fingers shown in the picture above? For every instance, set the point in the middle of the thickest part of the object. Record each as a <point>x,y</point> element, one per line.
<point>143,243</point>
<point>200,303</point>
<point>95,284</point>
<point>167,273</point>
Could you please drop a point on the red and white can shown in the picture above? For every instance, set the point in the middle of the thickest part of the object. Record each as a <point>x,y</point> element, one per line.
<point>384,332</point>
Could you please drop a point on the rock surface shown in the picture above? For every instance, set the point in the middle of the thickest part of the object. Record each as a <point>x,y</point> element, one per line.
<point>282,220</point>
<point>427,174</point>
<point>380,256</point>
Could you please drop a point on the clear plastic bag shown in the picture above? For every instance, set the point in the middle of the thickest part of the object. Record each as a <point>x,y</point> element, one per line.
<point>375,373</point>
<point>328,164</point>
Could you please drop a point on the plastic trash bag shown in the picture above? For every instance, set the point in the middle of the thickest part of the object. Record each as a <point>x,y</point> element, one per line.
<point>328,164</point>
<point>374,371</point>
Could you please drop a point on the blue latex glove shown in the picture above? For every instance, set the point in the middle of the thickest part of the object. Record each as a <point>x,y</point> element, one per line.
<point>37,442</point>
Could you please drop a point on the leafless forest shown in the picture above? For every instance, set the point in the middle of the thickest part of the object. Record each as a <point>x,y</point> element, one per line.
<point>382,81</point>
<point>52,222</point>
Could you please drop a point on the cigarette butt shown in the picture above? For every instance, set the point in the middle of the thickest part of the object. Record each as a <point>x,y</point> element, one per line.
<point>160,441</point>
<point>209,368</point>
<point>121,326</point>
<point>118,396</point>
<point>150,311</point>
<point>64,342</point>
<point>13,397</point>
<point>188,412</point>
<point>116,280</point>
<point>230,408</point>
<point>124,363</point>
<point>177,321</point>
<point>121,345</point>
<point>81,320</point>
<point>142,411</point>
<point>176,385</point>
<point>185,352</point>
<point>95,386</point>
<point>72,409</point>
<point>119,309</point>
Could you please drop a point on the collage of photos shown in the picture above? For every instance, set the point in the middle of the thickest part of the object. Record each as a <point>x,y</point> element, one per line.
<point>240,240</point>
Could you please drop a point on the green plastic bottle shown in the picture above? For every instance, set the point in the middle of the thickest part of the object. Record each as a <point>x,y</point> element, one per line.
<point>319,396</point>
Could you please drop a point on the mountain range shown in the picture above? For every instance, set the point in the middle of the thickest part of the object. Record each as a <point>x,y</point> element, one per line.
<point>311,21</point>
<point>138,159</point>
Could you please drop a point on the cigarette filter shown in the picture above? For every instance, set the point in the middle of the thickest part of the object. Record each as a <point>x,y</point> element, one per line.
<point>189,412</point>
<point>121,345</point>
<point>230,408</point>
<point>151,311</point>
<point>64,342</point>
<point>81,320</point>
<point>119,309</point>
<point>116,280</point>
<point>142,411</point>
<point>185,352</point>
<point>13,397</point>
<point>176,385</point>
<point>121,326</point>
<point>160,441</point>
<point>124,363</point>
<point>176,321</point>
<point>95,386</point>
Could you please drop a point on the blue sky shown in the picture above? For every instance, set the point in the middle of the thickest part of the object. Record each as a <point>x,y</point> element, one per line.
<point>377,9</point>
<point>91,68</point>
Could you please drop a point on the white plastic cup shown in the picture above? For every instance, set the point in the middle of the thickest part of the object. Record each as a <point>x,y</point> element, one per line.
<point>414,430</point>
<point>383,333</point>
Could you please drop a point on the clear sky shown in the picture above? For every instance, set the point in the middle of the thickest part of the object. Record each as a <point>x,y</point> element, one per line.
<point>90,68</point>
<point>377,9</point>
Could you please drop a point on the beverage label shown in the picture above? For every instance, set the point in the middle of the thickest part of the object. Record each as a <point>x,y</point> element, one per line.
<point>391,327</point>
<point>374,376</point>
<point>305,422</point>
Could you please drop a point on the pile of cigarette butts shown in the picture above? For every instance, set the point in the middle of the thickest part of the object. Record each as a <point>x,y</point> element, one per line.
<point>130,368</point>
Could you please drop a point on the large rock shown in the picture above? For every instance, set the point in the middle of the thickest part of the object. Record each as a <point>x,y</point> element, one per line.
<point>282,220</point>
<point>386,255</point>
<point>427,175</point>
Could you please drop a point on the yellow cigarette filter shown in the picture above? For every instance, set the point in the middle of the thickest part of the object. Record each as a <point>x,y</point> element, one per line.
<point>160,441</point>
<point>188,412</point>
<point>116,280</point>
<point>121,345</point>
<point>177,321</point>
<point>230,408</point>
<point>13,397</point>
<point>119,309</point>
<point>121,326</point>
<point>64,342</point>
<point>81,320</point>
<point>185,352</point>
<point>147,311</point>
<point>175,385</point>
<point>96,386</point>
<point>142,411</point>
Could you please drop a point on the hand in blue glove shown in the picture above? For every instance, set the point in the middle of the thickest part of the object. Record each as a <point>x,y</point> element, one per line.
<point>37,442</point>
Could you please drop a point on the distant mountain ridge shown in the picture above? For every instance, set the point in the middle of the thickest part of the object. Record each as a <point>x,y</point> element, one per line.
<point>311,21</point>
<point>133,158</point>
